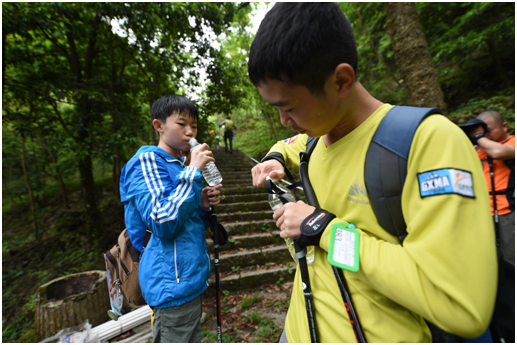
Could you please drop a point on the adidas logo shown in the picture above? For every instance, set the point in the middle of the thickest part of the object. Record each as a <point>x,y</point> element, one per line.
<point>358,194</point>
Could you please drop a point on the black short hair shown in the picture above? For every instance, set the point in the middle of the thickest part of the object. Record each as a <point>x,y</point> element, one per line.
<point>303,42</point>
<point>167,105</point>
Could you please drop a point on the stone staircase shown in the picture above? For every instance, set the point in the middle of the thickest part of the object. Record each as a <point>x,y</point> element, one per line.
<point>255,255</point>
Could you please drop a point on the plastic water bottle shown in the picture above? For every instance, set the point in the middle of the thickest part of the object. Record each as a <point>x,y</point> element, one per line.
<point>211,174</point>
<point>275,202</point>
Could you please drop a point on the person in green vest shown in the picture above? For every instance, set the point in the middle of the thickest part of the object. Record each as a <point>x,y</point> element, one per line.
<point>229,133</point>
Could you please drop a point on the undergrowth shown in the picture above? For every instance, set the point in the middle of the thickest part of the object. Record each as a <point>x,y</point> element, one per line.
<point>63,249</point>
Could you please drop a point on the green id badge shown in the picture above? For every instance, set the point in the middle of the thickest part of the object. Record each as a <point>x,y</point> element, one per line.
<point>344,247</point>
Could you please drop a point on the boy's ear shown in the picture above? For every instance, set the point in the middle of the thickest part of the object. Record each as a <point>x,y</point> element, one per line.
<point>344,79</point>
<point>157,124</point>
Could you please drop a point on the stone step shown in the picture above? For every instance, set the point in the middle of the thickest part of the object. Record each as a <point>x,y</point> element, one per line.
<point>244,207</point>
<point>248,241</point>
<point>254,239</point>
<point>235,168</point>
<point>251,257</point>
<point>237,183</point>
<point>244,216</point>
<point>244,181</point>
<point>242,190</point>
<point>244,198</point>
<point>221,152</point>
<point>235,175</point>
<point>233,159</point>
<point>242,281</point>
<point>246,228</point>
<point>236,171</point>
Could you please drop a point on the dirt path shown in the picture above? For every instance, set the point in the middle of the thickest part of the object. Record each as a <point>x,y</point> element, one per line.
<point>251,316</point>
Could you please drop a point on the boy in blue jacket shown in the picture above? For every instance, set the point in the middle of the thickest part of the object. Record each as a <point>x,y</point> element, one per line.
<point>163,194</point>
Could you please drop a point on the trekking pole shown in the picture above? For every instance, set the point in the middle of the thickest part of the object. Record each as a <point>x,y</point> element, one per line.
<point>307,292</point>
<point>494,198</point>
<point>300,253</point>
<point>340,278</point>
<point>214,225</point>
<point>302,261</point>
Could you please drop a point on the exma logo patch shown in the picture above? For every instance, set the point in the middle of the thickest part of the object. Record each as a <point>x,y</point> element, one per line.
<point>446,181</point>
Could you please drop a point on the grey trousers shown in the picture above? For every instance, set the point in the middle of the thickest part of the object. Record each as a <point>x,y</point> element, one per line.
<point>181,324</point>
<point>283,338</point>
<point>507,236</point>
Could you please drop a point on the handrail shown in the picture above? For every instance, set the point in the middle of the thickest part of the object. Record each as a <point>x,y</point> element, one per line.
<point>126,322</point>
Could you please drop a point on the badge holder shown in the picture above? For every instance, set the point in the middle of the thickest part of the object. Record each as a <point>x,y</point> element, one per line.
<point>344,247</point>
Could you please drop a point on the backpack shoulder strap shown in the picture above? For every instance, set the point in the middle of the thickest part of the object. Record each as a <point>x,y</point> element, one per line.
<point>310,146</point>
<point>386,165</point>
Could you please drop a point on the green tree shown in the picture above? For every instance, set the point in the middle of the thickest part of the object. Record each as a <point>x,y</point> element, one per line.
<point>94,86</point>
<point>473,45</point>
<point>413,57</point>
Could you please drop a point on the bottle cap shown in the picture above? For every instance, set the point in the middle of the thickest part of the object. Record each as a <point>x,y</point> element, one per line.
<point>193,143</point>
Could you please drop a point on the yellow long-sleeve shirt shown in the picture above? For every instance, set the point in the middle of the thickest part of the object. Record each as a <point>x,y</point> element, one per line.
<point>446,270</point>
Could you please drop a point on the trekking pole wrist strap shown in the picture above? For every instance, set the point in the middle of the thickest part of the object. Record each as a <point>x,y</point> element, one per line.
<point>313,226</point>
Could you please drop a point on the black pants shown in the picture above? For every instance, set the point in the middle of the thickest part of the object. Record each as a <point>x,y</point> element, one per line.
<point>228,135</point>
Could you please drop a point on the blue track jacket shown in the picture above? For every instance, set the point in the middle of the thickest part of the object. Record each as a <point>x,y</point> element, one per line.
<point>161,193</point>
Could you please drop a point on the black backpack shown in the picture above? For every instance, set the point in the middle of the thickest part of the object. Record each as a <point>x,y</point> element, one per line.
<point>385,174</point>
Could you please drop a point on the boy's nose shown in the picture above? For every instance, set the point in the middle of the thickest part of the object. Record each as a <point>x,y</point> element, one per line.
<point>285,120</point>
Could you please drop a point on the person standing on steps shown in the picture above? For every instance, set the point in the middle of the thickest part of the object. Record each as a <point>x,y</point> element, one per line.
<point>160,192</point>
<point>303,60</point>
<point>229,132</point>
<point>492,141</point>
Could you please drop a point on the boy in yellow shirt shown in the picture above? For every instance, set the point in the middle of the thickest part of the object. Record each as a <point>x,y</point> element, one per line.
<point>304,61</point>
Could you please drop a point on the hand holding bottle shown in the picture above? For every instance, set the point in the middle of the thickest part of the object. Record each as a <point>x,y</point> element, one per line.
<point>200,156</point>
<point>204,160</point>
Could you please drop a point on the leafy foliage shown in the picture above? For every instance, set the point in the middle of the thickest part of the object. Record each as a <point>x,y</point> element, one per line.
<point>79,80</point>
<point>473,45</point>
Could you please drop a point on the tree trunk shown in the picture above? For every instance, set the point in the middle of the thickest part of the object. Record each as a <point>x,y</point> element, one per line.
<point>412,56</point>
<point>58,178</point>
<point>93,215</point>
<point>85,120</point>
<point>372,44</point>
<point>497,63</point>
<point>115,173</point>
<point>268,120</point>
<point>29,190</point>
